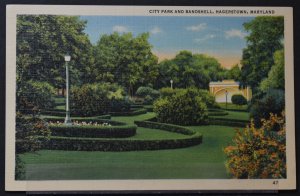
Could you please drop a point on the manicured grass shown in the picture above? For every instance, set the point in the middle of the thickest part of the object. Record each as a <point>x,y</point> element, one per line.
<point>131,119</point>
<point>233,106</point>
<point>236,115</point>
<point>205,161</point>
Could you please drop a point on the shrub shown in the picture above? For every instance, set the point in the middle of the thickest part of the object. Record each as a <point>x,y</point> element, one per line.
<point>183,108</point>
<point>94,99</point>
<point>19,169</point>
<point>31,132</point>
<point>119,105</point>
<point>259,152</point>
<point>167,91</point>
<point>272,102</point>
<point>99,144</point>
<point>33,95</point>
<point>93,131</point>
<point>238,99</point>
<point>149,94</point>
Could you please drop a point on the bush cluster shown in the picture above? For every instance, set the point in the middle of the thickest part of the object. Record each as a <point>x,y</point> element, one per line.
<point>238,99</point>
<point>183,108</point>
<point>33,96</point>
<point>149,94</point>
<point>271,102</point>
<point>31,132</point>
<point>259,152</point>
<point>96,99</point>
<point>93,131</point>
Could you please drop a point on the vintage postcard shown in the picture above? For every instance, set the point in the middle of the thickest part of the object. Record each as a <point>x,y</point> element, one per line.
<point>127,98</point>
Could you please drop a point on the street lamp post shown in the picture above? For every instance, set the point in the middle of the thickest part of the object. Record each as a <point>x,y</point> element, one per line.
<point>67,119</point>
<point>171,81</point>
<point>226,93</point>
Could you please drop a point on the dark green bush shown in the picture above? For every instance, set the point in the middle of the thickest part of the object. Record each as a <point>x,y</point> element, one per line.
<point>19,169</point>
<point>93,131</point>
<point>97,144</point>
<point>143,91</point>
<point>31,132</point>
<point>33,96</point>
<point>238,99</point>
<point>272,102</point>
<point>217,112</point>
<point>94,99</point>
<point>182,108</point>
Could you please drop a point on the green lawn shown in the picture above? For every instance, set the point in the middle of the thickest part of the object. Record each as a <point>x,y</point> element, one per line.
<point>233,106</point>
<point>202,161</point>
<point>236,115</point>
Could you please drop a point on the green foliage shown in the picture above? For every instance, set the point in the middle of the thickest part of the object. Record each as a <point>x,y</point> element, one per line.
<point>273,101</point>
<point>42,42</point>
<point>259,153</point>
<point>33,96</point>
<point>183,108</point>
<point>276,74</point>
<point>143,91</point>
<point>234,73</point>
<point>238,99</point>
<point>127,60</point>
<point>187,70</point>
<point>132,112</point>
<point>31,132</point>
<point>93,131</point>
<point>19,169</point>
<point>93,99</point>
<point>266,35</point>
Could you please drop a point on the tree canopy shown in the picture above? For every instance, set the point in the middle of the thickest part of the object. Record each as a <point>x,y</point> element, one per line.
<point>266,36</point>
<point>43,40</point>
<point>124,59</point>
<point>187,70</point>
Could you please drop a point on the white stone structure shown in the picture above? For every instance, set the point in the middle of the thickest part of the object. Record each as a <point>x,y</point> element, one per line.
<point>229,87</point>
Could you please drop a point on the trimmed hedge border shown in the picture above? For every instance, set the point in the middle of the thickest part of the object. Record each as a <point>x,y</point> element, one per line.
<point>102,144</point>
<point>227,122</point>
<point>93,131</point>
<point>130,113</point>
<point>91,144</point>
<point>165,126</point>
<point>216,112</point>
<point>87,120</point>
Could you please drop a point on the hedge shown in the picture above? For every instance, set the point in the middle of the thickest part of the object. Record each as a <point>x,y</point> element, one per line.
<point>87,120</point>
<point>129,113</point>
<point>228,122</point>
<point>97,144</point>
<point>164,126</point>
<point>216,112</point>
<point>93,131</point>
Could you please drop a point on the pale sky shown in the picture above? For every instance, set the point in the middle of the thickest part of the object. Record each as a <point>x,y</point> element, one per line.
<point>220,37</point>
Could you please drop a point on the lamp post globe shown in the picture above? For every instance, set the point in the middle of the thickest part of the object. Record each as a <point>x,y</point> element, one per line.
<point>67,119</point>
<point>171,81</point>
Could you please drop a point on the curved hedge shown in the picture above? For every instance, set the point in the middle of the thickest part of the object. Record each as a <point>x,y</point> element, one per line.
<point>93,131</point>
<point>135,111</point>
<point>227,122</point>
<point>104,144</point>
<point>216,112</point>
<point>97,144</point>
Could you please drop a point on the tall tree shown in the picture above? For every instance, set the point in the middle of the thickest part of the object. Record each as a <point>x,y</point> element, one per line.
<point>125,59</point>
<point>234,73</point>
<point>42,42</point>
<point>187,70</point>
<point>266,35</point>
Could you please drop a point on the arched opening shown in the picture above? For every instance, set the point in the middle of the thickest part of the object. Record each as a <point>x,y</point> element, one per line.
<point>220,95</point>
